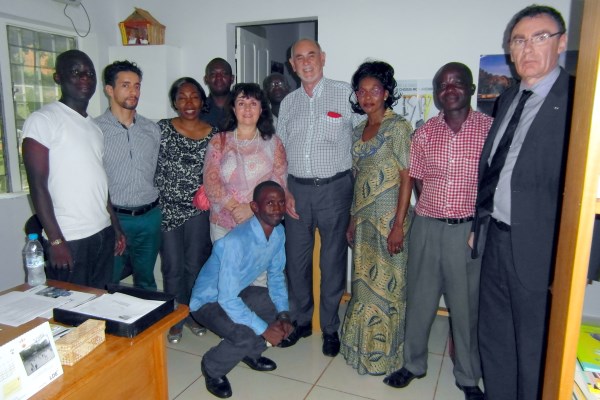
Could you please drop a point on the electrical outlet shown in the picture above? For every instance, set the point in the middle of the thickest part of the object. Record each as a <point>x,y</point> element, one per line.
<point>73,3</point>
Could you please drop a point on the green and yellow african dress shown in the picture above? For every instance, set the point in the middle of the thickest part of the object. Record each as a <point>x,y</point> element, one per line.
<point>373,330</point>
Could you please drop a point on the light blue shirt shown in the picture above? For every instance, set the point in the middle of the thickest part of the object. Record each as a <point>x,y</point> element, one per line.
<point>236,261</point>
<point>502,204</point>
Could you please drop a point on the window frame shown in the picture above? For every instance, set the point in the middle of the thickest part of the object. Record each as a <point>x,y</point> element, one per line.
<point>10,140</point>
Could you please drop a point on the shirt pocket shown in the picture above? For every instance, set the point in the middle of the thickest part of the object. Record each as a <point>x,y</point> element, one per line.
<point>333,129</point>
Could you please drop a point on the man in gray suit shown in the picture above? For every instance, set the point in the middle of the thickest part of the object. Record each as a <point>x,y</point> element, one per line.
<point>521,173</point>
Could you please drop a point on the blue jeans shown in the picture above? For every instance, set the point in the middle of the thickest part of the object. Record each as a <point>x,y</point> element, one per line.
<point>143,241</point>
<point>92,260</point>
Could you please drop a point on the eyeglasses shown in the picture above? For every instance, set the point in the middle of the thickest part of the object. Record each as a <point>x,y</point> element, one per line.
<point>80,74</point>
<point>374,92</point>
<point>537,40</point>
<point>277,84</point>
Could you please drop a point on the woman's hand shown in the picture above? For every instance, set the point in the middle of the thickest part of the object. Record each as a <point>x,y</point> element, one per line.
<point>241,212</point>
<point>395,240</point>
<point>350,232</point>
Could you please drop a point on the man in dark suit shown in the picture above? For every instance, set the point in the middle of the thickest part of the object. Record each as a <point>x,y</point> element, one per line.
<point>521,175</point>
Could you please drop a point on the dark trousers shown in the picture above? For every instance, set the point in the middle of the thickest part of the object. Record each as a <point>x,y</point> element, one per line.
<point>327,208</point>
<point>512,325</point>
<point>143,241</point>
<point>239,340</point>
<point>92,260</point>
<point>183,252</point>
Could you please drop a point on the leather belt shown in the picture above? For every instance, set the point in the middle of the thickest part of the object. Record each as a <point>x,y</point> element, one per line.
<point>136,211</point>
<point>320,181</point>
<point>455,221</point>
<point>501,225</point>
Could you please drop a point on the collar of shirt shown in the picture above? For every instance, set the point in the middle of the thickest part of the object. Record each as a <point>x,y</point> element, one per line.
<point>109,114</point>
<point>542,88</point>
<point>317,90</point>
<point>468,121</point>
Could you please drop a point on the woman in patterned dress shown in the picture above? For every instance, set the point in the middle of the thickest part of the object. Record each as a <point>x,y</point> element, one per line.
<point>244,155</point>
<point>185,229</point>
<point>373,330</point>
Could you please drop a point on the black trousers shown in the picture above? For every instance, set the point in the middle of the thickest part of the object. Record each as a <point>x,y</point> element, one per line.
<point>513,324</point>
<point>239,340</point>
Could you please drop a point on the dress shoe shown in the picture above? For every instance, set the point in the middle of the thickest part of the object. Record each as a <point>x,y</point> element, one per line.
<point>219,387</point>
<point>174,336</point>
<point>471,392</point>
<point>400,378</point>
<point>260,364</point>
<point>299,332</point>
<point>195,327</point>
<point>331,344</point>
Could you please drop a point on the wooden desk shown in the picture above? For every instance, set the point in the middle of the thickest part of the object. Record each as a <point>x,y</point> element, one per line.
<point>119,368</point>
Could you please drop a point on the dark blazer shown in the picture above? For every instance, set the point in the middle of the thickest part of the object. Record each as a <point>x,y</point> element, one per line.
<point>536,185</point>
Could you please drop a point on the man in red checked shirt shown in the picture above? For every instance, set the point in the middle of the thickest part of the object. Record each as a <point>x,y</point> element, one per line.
<point>444,156</point>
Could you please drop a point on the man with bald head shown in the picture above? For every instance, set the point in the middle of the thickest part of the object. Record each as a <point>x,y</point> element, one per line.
<point>521,174</point>
<point>315,125</point>
<point>443,164</point>
<point>62,151</point>
<point>219,78</point>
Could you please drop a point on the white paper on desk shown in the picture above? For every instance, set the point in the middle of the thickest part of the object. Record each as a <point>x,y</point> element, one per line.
<point>16,308</point>
<point>70,298</point>
<point>28,363</point>
<point>118,307</point>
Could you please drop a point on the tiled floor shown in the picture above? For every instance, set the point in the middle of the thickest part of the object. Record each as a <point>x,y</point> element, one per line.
<point>304,373</point>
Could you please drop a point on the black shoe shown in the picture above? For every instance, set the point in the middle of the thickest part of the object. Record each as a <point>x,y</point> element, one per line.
<point>219,387</point>
<point>331,344</point>
<point>400,378</point>
<point>471,392</point>
<point>299,332</point>
<point>260,364</point>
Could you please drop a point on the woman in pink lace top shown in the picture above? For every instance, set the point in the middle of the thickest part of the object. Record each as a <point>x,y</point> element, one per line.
<point>244,155</point>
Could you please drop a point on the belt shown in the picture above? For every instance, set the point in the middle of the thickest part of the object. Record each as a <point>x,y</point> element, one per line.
<point>501,225</point>
<point>136,211</point>
<point>320,181</point>
<point>455,221</point>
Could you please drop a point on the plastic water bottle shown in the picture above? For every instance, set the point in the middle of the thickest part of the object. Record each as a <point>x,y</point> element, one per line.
<point>33,254</point>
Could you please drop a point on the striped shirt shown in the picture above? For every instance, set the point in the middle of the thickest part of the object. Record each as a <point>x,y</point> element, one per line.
<point>317,131</point>
<point>130,156</point>
<point>447,163</point>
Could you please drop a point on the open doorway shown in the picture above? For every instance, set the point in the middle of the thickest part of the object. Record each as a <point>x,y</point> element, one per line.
<point>262,48</point>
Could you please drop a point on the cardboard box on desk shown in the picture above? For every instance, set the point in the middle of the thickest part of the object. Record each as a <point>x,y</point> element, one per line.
<point>118,328</point>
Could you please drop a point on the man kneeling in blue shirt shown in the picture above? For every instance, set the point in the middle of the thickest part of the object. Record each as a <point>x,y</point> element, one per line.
<point>223,299</point>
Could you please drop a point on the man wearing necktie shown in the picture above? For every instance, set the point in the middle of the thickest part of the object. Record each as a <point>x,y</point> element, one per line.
<point>521,175</point>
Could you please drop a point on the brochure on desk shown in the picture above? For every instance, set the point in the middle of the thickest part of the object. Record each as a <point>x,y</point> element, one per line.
<point>127,311</point>
<point>28,363</point>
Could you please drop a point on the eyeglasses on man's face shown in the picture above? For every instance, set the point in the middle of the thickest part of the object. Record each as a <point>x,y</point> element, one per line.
<point>277,84</point>
<point>536,40</point>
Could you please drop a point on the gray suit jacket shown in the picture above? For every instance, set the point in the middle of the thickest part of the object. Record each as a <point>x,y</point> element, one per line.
<point>536,185</point>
